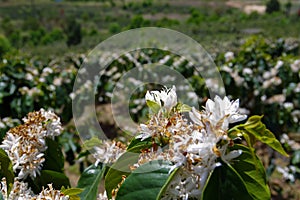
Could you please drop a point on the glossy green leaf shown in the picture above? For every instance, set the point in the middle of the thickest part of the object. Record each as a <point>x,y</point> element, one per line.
<point>6,169</point>
<point>54,159</point>
<point>118,169</point>
<point>73,193</point>
<point>57,179</point>
<point>146,182</point>
<point>154,107</point>
<point>165,186</point>
<point>254,128</point>
<point>252,172</point>
<point>89,180</point>
<point>136,145</point>
<point>122,166</point>
<point>225,183</point>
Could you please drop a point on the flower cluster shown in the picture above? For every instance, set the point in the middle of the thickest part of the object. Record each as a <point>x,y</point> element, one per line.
<point>195,146</point>
<point>108,152</point>
<point>26,143</point>
<point>20,191</point>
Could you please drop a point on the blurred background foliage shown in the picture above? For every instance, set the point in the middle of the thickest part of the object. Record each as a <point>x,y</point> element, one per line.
<point>255,46</point>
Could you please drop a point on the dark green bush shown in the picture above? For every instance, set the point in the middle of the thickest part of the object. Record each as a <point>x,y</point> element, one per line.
<point>114,28</point>
<point>273,6</point>
<point>73,32</point>
<point>5,45</point>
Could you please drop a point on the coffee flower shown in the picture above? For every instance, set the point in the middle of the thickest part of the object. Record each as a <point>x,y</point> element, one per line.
<point>222,112</point>
<point>26,143</point>
<point>167,98</point>
<point>108,152</point>
<point>194,147</point>
<point>20,190</point>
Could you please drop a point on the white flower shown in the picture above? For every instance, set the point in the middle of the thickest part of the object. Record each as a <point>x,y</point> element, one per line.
<point>279,64</point>
<point>287,172</point>
<point>195,116</point>
<point>288,105</point>
<point>247,71</point>
<point>193,147</point>
<point>223,109</point>
<point>51,194</point>
<point>166,98</point>
<point>102,196</point>
<point>295,66</point>
<point>145,132</point>
<point>25,143</point>
<point>108,152</point>
<point>229,56</point>
<point>20,190</point>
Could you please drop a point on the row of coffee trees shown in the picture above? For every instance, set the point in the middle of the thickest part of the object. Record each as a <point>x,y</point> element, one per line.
<point>263,74</point>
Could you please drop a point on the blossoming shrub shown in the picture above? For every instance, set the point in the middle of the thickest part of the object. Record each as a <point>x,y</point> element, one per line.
<point>179,156</point>
<point>32,164</point>
<point>267,75</point>
<point>28,84</point>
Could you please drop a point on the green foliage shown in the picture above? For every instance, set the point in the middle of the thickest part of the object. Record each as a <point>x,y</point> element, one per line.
<point>146,181</point>
<point>6,170</point>
<point>90,180</point>
<point>5,45</point>
<point>73,32</point>
<point>54,35</point>
<point>265,73</point>
<point>122,166</point>
<point>252,172</point>
<point>225,183</point>
<point>138,21</point>
<point>254,130</point>
<point>114,28</point>
<point>72,192</point>
<point>54,157</point>
<point>29,84</point>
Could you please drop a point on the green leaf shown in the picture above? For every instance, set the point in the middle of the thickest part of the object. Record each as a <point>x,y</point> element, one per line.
<point>122,165</point>
<point>91,143</point>
<point>183,107</point>
<point>118,169</point>
<point>89,180</point>
<point>146,182</point>
<point>225,183</point>
<point>73,193</point>
<point>57,179</point>
<point>252,172</point>
<point>54,159</point>
<point>6,170</point>
<point>254,128</point>
<point>154,107</point>
<point>136,145</point>
<point>165,186</point>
